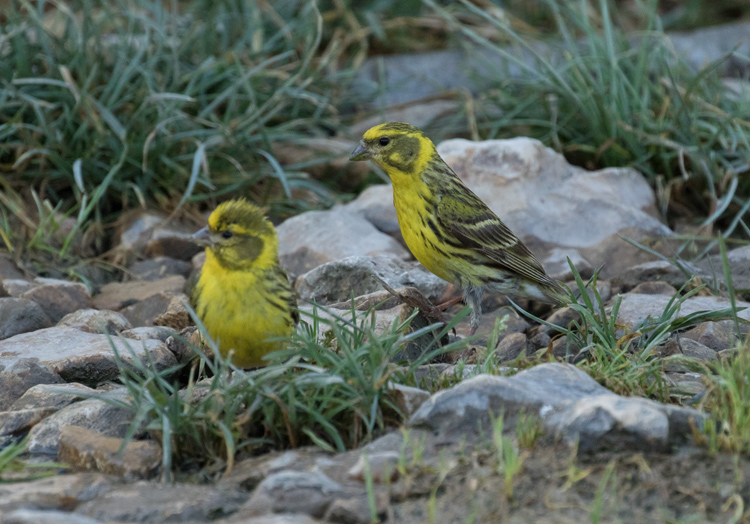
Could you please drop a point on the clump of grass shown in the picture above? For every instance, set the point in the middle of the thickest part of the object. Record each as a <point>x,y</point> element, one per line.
<point>528,430</point>
<point>106,106</point>
<point>604,99</point>
<point>597,505</point>
<point>727,401</point>
<point>329,388</point>
<point>509,458</point>
<point>619,357</point>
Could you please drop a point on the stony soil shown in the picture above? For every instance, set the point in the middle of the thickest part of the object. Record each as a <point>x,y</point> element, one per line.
<point>54,348</point>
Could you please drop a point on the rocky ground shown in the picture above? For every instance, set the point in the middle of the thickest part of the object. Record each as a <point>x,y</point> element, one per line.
<point>570,450</point>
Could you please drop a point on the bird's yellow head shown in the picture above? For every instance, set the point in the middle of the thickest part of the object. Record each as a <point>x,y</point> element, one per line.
<point>239,236</point>
<point>396,147</point>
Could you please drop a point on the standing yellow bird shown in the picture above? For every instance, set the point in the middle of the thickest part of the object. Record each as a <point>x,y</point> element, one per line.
<point>243,296</point>
<point>447,227</point>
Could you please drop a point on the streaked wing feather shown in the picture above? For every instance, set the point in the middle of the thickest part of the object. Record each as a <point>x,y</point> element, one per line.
<point>289,295</point>
<point>473,224</point>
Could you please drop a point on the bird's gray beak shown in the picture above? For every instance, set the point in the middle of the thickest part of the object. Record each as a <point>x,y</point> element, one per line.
<point>360,153</point>
<point>203,237</point>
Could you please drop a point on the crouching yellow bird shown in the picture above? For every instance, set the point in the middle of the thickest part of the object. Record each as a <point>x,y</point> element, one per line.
<point>447,227</point>
<point>243,296</point>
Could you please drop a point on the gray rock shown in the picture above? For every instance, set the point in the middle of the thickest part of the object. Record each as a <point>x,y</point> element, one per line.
<point>514,323</point>
<point>78,356</point>
<point>15,287</point>
<point>356,510</point>
<point>540,339</point>
<point>376,204</point>
<point>144,312</point>
<point>511,346</point>
<point>20,315</point>
<point>310,239</point>
<point>564,348</point>
<point>409,77</point>
<point>428,374</point>
<point>146,502</point>
<point>55,396</point>
<point>420,114</point>
<point>198,260</point>
<point>551,204</point>
<point>556,264</point>
<point>407,398</point>
<point>117,295</point>
<point>135,230</point>
<point>655,271</point>
<point>8,268</point>
<point>172,240</point>
<point>19,422</point>
<point>86,450</point>
<point>17,376</point>
<point>34,516</point>
<point>240,518</point>
<point>739,264</point>
<point>563,317</point>
<point>693,349</point>
<point>38,403</point>
<point>149,332</point>
<point>336,281</point>
<point>702,46</point>
<point>322,155</point>
<point>385,81</point>
<point>53,493</point>
<point>604,288</point>
<point>93,414</point>
<point>305,492</point>
<point>160,267</point>
<point>59,297</point>
<point>635,308</point>
<point>654,288</point>
<point>739,256</point>
<point>571,405</point>
<point>248,473</point>
<point>177,316</point>
<point>96,321</point>
<point>383,466</point>
<point>613,422</point>
<point>714,335</point>
<point>686,384</point>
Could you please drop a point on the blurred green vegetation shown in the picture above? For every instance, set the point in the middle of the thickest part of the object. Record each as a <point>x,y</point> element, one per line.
<point>604,100</point>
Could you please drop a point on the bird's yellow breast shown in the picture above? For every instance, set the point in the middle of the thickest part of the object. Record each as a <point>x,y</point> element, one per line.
<point>235,308</point>
<point>423,243</point>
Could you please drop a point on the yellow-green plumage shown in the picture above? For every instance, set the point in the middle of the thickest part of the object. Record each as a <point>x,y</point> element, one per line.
<point>243,296</point>
<point>447,227</point>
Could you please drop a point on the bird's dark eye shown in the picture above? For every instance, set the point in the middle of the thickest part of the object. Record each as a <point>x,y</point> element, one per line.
<point>385,141</point>
<point>226,234</point>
